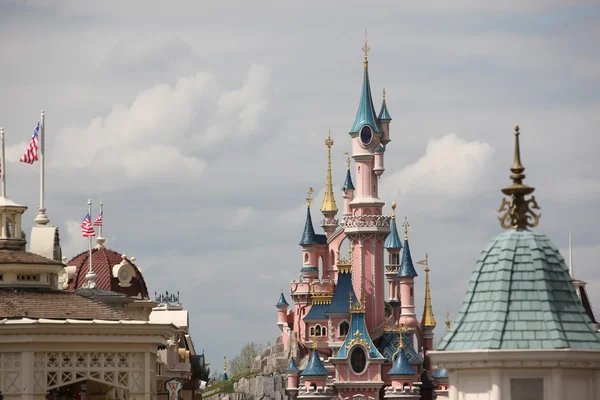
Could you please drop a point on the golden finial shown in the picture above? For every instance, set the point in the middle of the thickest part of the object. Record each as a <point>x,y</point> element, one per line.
<point>281,290</point>
<point>358,306</point>
<point>393,210</point>
<point>365,48</point>
<point>348,160</point>
<point>315,344</point>
<point>383,93</point>
<point>428,318</point>
<point>406,225</point>
<point>401,330</point>
<point>447,321</point>
<point>518,212</point>
<point>308,196</point>
<point>224,364</point>
<point>329,205</point>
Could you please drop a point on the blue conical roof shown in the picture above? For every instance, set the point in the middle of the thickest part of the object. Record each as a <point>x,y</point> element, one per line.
<point>282,302</point>
<point>292,365</point>
<point>521,296</point>
<point>315,366</point>
<point>393,240</point>
<point>348,185</point>
<point>407,269</point>
<point>401,365</point>
<point>366,111</point>
<point>308,235</point>
<point>384,115</point>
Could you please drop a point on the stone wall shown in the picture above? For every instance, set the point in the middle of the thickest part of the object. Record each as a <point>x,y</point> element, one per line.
<point>273,359</point>
<point>261,387</point>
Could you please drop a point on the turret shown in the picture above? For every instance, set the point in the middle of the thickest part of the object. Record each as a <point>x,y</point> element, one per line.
<point>329,208</point>
<point>315,378</point>
<point>384,121</point>
<point>402,376</point>
<point>348,189</point>
<point>282,308</point>
<point>428,323</point>
<point>393,246</point>
<point>308,242</point>
<point>292,378</point>
<point>406,274</point>
<point>378,155</point>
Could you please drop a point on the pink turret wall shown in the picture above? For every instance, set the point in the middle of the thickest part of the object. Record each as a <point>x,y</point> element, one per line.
<point>366,181</point>
<point>367,272</point>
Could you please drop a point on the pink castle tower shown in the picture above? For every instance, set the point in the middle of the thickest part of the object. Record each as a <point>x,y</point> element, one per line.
<point>355,343</point>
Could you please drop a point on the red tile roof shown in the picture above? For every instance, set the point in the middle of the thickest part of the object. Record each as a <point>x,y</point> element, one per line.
<point>102,262</point>
<point>53,304</point>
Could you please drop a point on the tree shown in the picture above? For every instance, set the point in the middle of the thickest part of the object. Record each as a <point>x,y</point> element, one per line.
<point>242,363</point>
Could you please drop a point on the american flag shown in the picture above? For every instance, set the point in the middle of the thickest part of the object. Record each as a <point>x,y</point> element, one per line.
<point>98,220</point>
<point>31,154</point>
<point>87,230</point>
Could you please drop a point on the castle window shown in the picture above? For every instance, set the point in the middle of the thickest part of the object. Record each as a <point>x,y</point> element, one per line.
<point>395,258</point>
<point>344,328</point>
<point>527,389</point>
<point>312,331</point>
<point>358,360</point>
<point>318,330</point>
<point>28,278</point>
<point>324,331</point>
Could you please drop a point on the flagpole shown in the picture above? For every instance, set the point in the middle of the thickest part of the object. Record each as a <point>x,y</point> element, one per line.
<point>41,218</point>
<point>90,276</point>
<point>3,164</point>
<point>101,204</point>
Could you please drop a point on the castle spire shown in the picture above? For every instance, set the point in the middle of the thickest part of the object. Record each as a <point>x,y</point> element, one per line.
<point>366,111</point>
<point>393,240</point>
<point>518,212</point>
<point>348,185</point>
<point>308,235</point>
<point>384,114</point>
<point>428,319</point>
<point>329,205</point>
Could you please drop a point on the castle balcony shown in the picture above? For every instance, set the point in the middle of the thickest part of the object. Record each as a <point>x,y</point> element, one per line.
<point>391,270</point>
<point>366,223</point>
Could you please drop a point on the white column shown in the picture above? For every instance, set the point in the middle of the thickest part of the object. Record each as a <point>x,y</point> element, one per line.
<point>496,381</point>
<point>557,385</point>
<point>27,382</point>
<point>453,382</point>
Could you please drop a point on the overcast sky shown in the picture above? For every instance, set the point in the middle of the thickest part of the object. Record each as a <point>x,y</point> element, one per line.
<point>201,126</point>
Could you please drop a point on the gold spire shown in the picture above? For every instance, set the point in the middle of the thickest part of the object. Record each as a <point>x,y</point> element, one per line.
<point>365,48</point>
<point>428,318</point>
<point>393,210</point>
<point>329,200</point>
<point>402,329</point>
<point>224,364</point>
<point>447,321</point>
<point>406,225</point>
<point>348,160</point>
<point>315,344</point>
<point>308,196</point>
<point>518,212</point>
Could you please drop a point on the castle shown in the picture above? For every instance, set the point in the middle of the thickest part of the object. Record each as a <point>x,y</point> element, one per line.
<point>340,307</point>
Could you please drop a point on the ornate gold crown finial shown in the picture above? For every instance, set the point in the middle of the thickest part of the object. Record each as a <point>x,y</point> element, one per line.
<point>406,225</point>
<point>308,196</point>
<point>358,306</point>
<point>401,330</point>
<point>447,321</point>
<point>329,140</point>
<point>517,213</point>
<point>365,48</point>
<point>348,160</point>
<point>393,210</point>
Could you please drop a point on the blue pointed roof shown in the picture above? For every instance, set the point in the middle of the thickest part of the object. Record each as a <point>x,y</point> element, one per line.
<point>340,302</point>
<point>348,185</point>
<point>315,366</point>
<point>393,240</point>
<point>366,111</point>
<point>401,365</point>
<point>282,302</point>
<point>292,365</point>
<point>224,376</point>
<point>317,312</point>
<point>380,148</point>
<point>521,296</point>
<point>308,235</point>
<point>384,115</point>
<point>407,269</point>
<point>358,331</point>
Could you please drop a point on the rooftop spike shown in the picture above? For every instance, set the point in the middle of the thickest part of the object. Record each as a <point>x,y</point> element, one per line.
<point>366,111</point>
<point>407,269</point>
<point>329,205</point>
<point>428,318</point>
<point>100,222</point>
<point>518,212</point>
<point>393,240</point>
<point>308,235</point>
<point>384,115</point>
<point>571,256</point>
<point>447,321</point>
<point>348,185</point>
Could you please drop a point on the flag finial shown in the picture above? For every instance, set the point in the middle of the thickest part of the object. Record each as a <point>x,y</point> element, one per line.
<point>87,230</point>
<point>2,166</point>
<point>100,240</point>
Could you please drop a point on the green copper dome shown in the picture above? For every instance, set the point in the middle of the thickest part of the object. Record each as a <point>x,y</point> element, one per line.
<point>521,296</point>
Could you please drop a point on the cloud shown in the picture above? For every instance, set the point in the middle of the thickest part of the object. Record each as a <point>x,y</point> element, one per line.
<point>451,170</point>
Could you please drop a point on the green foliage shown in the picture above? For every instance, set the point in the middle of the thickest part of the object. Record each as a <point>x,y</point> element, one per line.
<point>242,363</point>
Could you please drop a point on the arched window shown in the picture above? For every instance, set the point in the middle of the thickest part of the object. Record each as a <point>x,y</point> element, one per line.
<point>395,258</point>
<point>305,258</point>
<point>313,386</point>
<point>318,330</point>
<point>312,331</point>
<point>358,360</point>
<point>344,328</point>
<point>324,331</point>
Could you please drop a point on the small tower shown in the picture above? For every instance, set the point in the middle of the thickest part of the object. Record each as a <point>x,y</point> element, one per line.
<point>402,376</point>
<point>407,274</point>
<point>393,246</point>
<point>315,378</point>
<point>384,121</point>
<point>329,208</point>
<point>428,323</point>
<point>308,242</point>
<point>282,308</point>
<point>292,379</point>
<point>348,189</point>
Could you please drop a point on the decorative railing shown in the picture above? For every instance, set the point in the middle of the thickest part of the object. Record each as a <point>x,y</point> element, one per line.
<point>392,268</point>
<point>329,222</point>
<point>366,221</point>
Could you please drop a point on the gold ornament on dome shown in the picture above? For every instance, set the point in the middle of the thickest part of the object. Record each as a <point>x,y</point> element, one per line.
<point>401,330</point>
<point>309,196</point>
<point>357,307</point>
<point>344,264</point>
<point>517,212</point>
<point>357,338</point>
<point>447,321</point>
